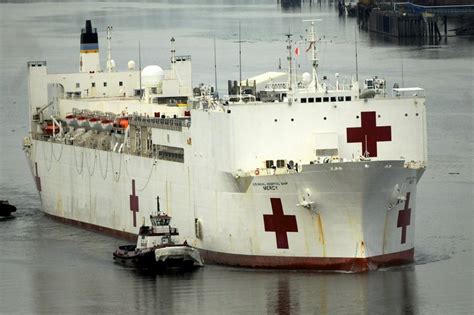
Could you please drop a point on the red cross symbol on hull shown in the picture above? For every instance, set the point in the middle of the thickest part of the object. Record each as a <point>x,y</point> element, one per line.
<point>37,178</point>
<point>279,223</point>
<point>369,134</point>
<point>404,218</point>
<point>134,204</point>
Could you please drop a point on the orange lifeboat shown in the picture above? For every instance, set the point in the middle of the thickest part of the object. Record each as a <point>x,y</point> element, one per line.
<point>123,122</point>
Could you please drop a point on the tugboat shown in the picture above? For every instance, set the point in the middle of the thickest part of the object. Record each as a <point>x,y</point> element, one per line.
<point>6,208</point>
<point>156,250</point>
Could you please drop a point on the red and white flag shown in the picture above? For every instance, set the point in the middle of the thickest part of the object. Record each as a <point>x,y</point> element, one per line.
<point>297,51</point>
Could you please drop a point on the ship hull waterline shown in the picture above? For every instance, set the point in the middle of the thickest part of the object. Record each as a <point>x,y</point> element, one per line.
<point>271,262</point>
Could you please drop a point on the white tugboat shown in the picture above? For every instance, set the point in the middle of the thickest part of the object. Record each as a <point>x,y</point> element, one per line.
<point>292,172</point>
<point>156,249</point>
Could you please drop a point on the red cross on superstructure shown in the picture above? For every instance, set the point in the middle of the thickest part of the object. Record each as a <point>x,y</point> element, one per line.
<point>279,223</point>
<point>369,134</point>
<point>37,178</point>
<point>404,218</point>
<point>134,204</point>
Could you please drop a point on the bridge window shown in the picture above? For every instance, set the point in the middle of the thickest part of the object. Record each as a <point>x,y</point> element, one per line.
<point>333,99</point>
<point>105,83</point>
<point>348,98</point>
<point>318,100</point>
<point>280,163</point>
<point>311,100</point>
<point>120,83</point>
<point>325,99</point>
<point>340,98</point>
<point>303,100</point>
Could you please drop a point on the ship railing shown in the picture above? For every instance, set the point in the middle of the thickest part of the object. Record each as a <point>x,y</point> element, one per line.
<point>266,172</point>
<point>408,92</point>
<point>161,123</point>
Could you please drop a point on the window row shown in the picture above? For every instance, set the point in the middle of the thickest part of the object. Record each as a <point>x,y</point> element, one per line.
<point>78,85</point>
<point>326,99</point>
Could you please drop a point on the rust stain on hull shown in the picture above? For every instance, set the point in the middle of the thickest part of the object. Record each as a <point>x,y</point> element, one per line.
<point>321,233</point>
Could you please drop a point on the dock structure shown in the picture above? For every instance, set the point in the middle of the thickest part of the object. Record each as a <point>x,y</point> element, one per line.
<point>414,19</point>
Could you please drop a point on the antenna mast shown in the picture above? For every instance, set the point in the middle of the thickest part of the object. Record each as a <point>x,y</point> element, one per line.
<point>140,68</point>
<point>215,68</point>
<point>314,52</point>
<point>109,49</point>
<point>173,53</point>
<point>357,60</point>
<point>401,61</point>
<point>290,68</point>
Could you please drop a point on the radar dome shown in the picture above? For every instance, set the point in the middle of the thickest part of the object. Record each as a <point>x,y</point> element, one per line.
<point>306,77</point>
<point>152,75</point>
<point>131,65</point>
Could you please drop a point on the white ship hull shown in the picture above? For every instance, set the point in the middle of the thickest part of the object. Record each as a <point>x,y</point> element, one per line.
<point>296,174</point>
<point>355,224</point>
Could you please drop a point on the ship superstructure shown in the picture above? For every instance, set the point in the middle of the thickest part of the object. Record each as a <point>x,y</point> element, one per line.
<point>299,174</point>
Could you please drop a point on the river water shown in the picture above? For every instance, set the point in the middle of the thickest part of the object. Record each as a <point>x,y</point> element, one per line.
<point>51,268</point>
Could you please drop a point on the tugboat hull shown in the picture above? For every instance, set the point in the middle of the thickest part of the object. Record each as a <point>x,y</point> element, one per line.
<point>158,259</point>
<point>6,209</point>
<point>130,256</point>
<point>178,257</point>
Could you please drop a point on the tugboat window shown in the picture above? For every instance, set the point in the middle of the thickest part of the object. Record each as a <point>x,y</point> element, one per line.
<point>105,83</point>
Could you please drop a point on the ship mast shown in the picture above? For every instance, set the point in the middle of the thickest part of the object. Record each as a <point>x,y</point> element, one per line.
<point>290,68</point>
<point>314,53</point>
<point>173,53</point>
<point>109,49</point>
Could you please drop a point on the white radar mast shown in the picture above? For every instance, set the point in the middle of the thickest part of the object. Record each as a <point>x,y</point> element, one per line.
<point>314,53</point>
<point>110,62</point>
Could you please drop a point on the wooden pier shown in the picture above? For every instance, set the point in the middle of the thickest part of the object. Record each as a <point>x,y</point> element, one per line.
<point>411,19</point>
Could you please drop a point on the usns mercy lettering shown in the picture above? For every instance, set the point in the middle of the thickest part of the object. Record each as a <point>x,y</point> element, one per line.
<point>288,171</point>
